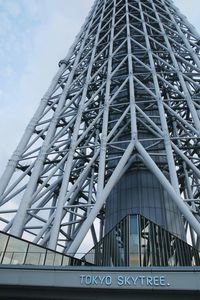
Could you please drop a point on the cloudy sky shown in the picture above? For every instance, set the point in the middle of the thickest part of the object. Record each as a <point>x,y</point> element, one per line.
<point>34,36</point>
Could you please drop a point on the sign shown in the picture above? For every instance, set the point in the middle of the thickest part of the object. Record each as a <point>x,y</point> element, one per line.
<point>135,281</point>
<point>149,279</point>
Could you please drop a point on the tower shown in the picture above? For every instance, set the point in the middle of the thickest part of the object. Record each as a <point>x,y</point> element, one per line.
<point>113,148</point>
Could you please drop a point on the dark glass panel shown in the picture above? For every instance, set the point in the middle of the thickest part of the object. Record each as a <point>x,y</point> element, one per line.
<point>90,256</point>
<point>196,258</point>
<point>143,242</point>
<point>165,249</point>
<point>134,242</point>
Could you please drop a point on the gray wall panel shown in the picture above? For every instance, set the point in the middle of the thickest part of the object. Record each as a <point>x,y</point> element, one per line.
<point>139,192</point>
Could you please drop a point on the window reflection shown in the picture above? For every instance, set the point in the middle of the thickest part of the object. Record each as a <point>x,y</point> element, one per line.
<point>35,255</point>
<point>134,242</point>
<point>3,242</point>
<point>66,261</point>
<point>58,259</point>
<point>49,261</point>
<point>15,251</point>
<point>160,248</point>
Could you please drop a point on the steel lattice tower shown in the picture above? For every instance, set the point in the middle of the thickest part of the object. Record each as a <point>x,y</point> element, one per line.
<point>124,107</point>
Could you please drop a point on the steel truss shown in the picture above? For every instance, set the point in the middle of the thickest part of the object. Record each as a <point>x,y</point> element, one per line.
<point>127,94</point>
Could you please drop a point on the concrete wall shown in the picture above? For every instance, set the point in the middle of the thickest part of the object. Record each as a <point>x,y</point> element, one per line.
<point>28,282</point>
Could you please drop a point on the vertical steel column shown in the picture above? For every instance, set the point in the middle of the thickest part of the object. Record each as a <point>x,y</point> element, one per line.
<point>103,150</point>
<point>115,177</point>
<point>31,126</point>
<point>25,202</point>
<point>65,182</point>
<point>168,187</point>
<point>166,136</point>
<point>99,121</point>
<point>179,74</point>
<point>131,79</point>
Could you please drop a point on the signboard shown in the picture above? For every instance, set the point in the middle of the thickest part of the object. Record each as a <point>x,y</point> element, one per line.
<point>136,281</point>
<point>165,279</point>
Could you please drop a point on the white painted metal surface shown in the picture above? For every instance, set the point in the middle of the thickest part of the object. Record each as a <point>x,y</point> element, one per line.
<point>129,85</point>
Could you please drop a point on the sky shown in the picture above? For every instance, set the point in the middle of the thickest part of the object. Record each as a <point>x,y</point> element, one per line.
<point>34,36</point>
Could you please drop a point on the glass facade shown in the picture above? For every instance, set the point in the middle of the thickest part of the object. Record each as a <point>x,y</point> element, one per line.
<point>113,248</point>
<point>16,251</point>
<point>158,247</point>
<point>136,241</point>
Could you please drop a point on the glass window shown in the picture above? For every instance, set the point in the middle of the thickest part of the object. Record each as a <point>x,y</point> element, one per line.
<point>50,257</point>
<point>90,256</point>
<point>165,249</point>
<point>196,258</point>
<point>35,255</point>
<point>161,246</point>
<point>106,251</point>
<point>15,251</point>
<point>3,239</point>
<point>58,259</point>
<point>98,254</point>
<point>143,244</point>
<point>134,242</point>
<point>66,261</point>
